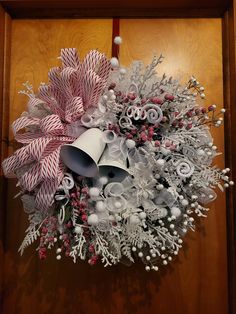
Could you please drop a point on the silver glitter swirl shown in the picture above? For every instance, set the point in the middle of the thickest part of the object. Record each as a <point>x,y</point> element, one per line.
<point>151,112</point>
<point>184,168</point>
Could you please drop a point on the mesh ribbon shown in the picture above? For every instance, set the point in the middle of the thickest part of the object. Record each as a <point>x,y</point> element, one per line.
<point>72,89</point>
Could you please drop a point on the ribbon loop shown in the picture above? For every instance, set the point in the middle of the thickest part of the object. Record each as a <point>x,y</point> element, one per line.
<point>72,88</point>
<point>52,125</point>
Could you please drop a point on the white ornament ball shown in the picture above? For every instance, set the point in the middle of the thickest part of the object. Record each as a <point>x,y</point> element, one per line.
<point>142,215</point>
<point>114,62</point>
<point>122,71</point>
<point>160,162</point>
<point>200,152</point>
<point>147,268</point>
<point>94,192</point>
<point>93,219</point>
<point>184,202</point>
<point>100,206</point>
<point>78,230</point>
<point>175,211</point>
<point>117,204</point>
<point>160,187</point>
<point>58,257</point>
<point>117,40</point>
<point>58,250</point>
<point>130,143</point>
<point>231,183</point>
<point>134,220</point>
<point>140,254</point>
<point>103,180</point>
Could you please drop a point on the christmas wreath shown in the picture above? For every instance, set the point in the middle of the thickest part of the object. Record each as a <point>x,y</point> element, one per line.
<point>116,162</point>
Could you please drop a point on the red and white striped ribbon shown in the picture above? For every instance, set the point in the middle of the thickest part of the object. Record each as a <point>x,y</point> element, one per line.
<point>71,90</point>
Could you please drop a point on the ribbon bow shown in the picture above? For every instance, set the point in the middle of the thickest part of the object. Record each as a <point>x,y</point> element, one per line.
<point>72,89</point>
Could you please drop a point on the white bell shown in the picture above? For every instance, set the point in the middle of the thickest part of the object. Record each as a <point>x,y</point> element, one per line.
<point>115,169</point>
<point>83,155</point>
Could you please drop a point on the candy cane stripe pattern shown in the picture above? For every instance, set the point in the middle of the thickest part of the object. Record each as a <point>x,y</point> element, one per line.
<point>65,97</point>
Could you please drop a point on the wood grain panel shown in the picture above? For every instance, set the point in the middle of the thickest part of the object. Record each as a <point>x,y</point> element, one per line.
<point>36,44</point>
<point>5,27</point>
<point>114,8</point>
<point>229,60</point>
<point>198,281</point>
<point>29,285</point>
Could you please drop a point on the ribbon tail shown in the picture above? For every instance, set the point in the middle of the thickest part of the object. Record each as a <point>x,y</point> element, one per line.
<point>45,195</point>
<point>20,158</point>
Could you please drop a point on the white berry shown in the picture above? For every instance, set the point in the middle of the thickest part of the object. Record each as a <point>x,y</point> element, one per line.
<point>114,62</point>
<point>117,40</point>
<point>93,219</point>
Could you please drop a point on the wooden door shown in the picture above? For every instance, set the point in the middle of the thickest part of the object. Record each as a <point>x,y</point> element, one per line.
<point>196,282</point>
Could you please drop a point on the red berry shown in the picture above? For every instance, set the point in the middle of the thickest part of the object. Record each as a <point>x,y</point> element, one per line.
<point>174,123</point>
<point>129,136</point>
<point>203,110</point>
<point>167,143</point>
<point>84,217</point>
<point>169,97</point>
<point>189,126</point>
<point>133,131</point>
<point>143,101</point>
<point>143,136</point>
<point>84,190</point>
<point>112,86</point>
<point>131,96</point>
<point>143,128</point>
<point>211,108</point>
<point>156,100</point>
<point>91,248</point>
<point>83,204</point>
